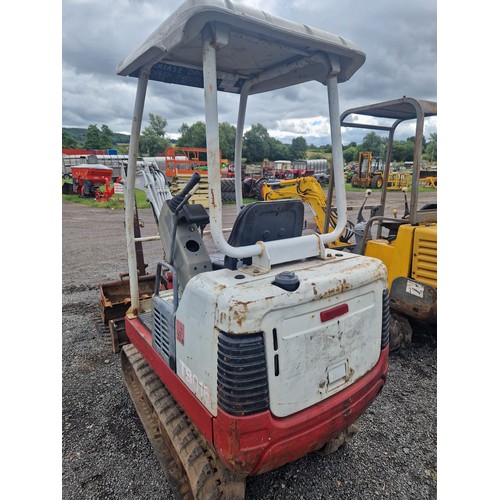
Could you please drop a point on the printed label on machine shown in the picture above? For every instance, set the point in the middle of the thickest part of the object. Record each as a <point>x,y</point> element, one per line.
<point>415,288</point>
<point>179,332</point>
<point>200,390</point>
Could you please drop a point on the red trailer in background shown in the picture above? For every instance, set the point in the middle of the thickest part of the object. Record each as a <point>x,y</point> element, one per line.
<point>88,178</point>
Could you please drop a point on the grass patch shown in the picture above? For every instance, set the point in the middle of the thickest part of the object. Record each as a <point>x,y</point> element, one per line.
<point>116,201</point>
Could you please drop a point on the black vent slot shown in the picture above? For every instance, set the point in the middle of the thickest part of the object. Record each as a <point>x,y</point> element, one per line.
<point>242,387</point>
<point>164,330</point>
<point>386,319</point>
<point>161,330</point>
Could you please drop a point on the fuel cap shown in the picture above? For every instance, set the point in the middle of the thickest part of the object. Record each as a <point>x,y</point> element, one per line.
<point>287,280</point>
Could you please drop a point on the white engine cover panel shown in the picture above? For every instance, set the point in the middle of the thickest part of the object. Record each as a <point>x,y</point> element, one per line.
<point>309,358</point>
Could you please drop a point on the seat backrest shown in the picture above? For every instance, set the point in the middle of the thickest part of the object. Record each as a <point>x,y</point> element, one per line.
<point>265,221</point>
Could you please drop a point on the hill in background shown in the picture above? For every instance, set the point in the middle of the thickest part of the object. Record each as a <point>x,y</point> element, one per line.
<point>80,134</point>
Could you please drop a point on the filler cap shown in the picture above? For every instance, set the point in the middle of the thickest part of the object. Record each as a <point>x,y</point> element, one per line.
<point>287,280</point>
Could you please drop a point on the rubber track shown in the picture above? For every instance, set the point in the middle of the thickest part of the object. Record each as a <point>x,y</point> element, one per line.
<point>192,468</point>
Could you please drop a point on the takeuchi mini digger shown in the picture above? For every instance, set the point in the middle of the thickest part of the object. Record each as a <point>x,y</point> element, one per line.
<point>272,348</point>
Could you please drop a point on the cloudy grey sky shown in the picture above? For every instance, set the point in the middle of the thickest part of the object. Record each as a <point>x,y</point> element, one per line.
<point>398,37</point>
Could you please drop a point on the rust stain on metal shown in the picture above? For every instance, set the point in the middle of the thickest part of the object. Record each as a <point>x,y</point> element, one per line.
<point>244,305</point>
<point>212,198</point>
<point>328,293</point>
<point>345,285</point>
<point>342,287</point>
<point>239,319</point>
<point>320,246</point>
<point>239,310</point>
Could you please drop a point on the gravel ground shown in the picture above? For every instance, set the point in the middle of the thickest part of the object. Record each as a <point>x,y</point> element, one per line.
<point>105,451</point>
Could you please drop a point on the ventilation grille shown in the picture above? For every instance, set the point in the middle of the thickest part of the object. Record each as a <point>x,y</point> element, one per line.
<point>425,261</point>
<point>164,330</point>
<point>242,387</point>
<point>386,319</point>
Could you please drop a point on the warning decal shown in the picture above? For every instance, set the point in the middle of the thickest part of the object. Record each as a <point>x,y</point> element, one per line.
<point>179,332</point>
<point>415,288</point>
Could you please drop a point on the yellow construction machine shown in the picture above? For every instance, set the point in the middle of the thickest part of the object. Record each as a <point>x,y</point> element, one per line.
<point>369,173</point>
<point>407,245</point>
<point>309,190</point>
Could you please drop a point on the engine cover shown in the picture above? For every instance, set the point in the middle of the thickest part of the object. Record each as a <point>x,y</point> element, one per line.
<point>318,339</point>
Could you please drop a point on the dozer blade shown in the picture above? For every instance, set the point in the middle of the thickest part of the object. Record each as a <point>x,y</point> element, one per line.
<point>115,296</point>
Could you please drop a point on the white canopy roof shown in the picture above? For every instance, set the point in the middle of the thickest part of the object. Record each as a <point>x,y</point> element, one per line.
<point>250,42</point>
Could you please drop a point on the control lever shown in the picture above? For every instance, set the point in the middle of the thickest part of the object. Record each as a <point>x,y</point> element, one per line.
<point>178,200</point>
<point>407,210</point>
<point>368,192</point>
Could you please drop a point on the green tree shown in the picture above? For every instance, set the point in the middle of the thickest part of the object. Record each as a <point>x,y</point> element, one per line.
<point>431,148</point>
<point>68,141</point>
<point>105,138</point>
<point>372,142</point>
<point>92,138</point>
<point>403,150</point>
<point>98,139</point>
<point>256,143</point>
<point>398,151</point>
<point>227,137</point>
<point>298,148</point>
<point>351,153</point>
<point>317,156</point>
<point>278,150</point>
<point>153,140</point>
<point>409,148</point>
<point>193,136</point>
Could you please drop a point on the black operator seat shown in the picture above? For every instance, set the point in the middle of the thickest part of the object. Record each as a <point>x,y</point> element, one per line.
<point>265,221</point>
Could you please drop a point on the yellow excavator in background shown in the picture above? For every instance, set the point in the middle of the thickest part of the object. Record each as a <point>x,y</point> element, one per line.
<point>407,245</point>
<point>309,190</point>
